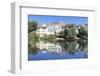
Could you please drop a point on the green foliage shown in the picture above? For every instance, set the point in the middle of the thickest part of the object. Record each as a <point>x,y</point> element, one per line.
<point>48,38</point>
<point>83,32</point>
<point>32,26</point>
<point>67,31</point>
<point>33,38</point>
<point>70,33</point>
<point>62,33</point>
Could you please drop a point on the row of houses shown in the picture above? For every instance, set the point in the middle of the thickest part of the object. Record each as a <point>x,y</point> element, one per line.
<point>51,28</point>
<point>54,28</point>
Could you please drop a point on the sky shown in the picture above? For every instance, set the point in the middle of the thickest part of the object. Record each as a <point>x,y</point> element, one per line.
<point>45,19</point>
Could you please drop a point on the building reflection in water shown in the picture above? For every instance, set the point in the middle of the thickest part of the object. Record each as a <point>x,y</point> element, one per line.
<point>58,50</point>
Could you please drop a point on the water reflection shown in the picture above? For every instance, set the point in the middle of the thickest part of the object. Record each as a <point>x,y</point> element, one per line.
<point>58,50</point>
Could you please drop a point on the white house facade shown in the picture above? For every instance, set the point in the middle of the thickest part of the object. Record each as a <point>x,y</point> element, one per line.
<point>51,28</point>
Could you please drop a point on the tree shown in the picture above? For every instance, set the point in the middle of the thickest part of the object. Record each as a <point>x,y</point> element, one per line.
<point>33,38</point>
<point>32,26</point>
<point>70,32</point>
<point>83,32</point>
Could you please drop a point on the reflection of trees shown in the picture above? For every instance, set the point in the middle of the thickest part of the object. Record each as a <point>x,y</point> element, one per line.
<point>82,45</point>
<point>32,50</point>
<point>72,47</point>
<point>33,38</point>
